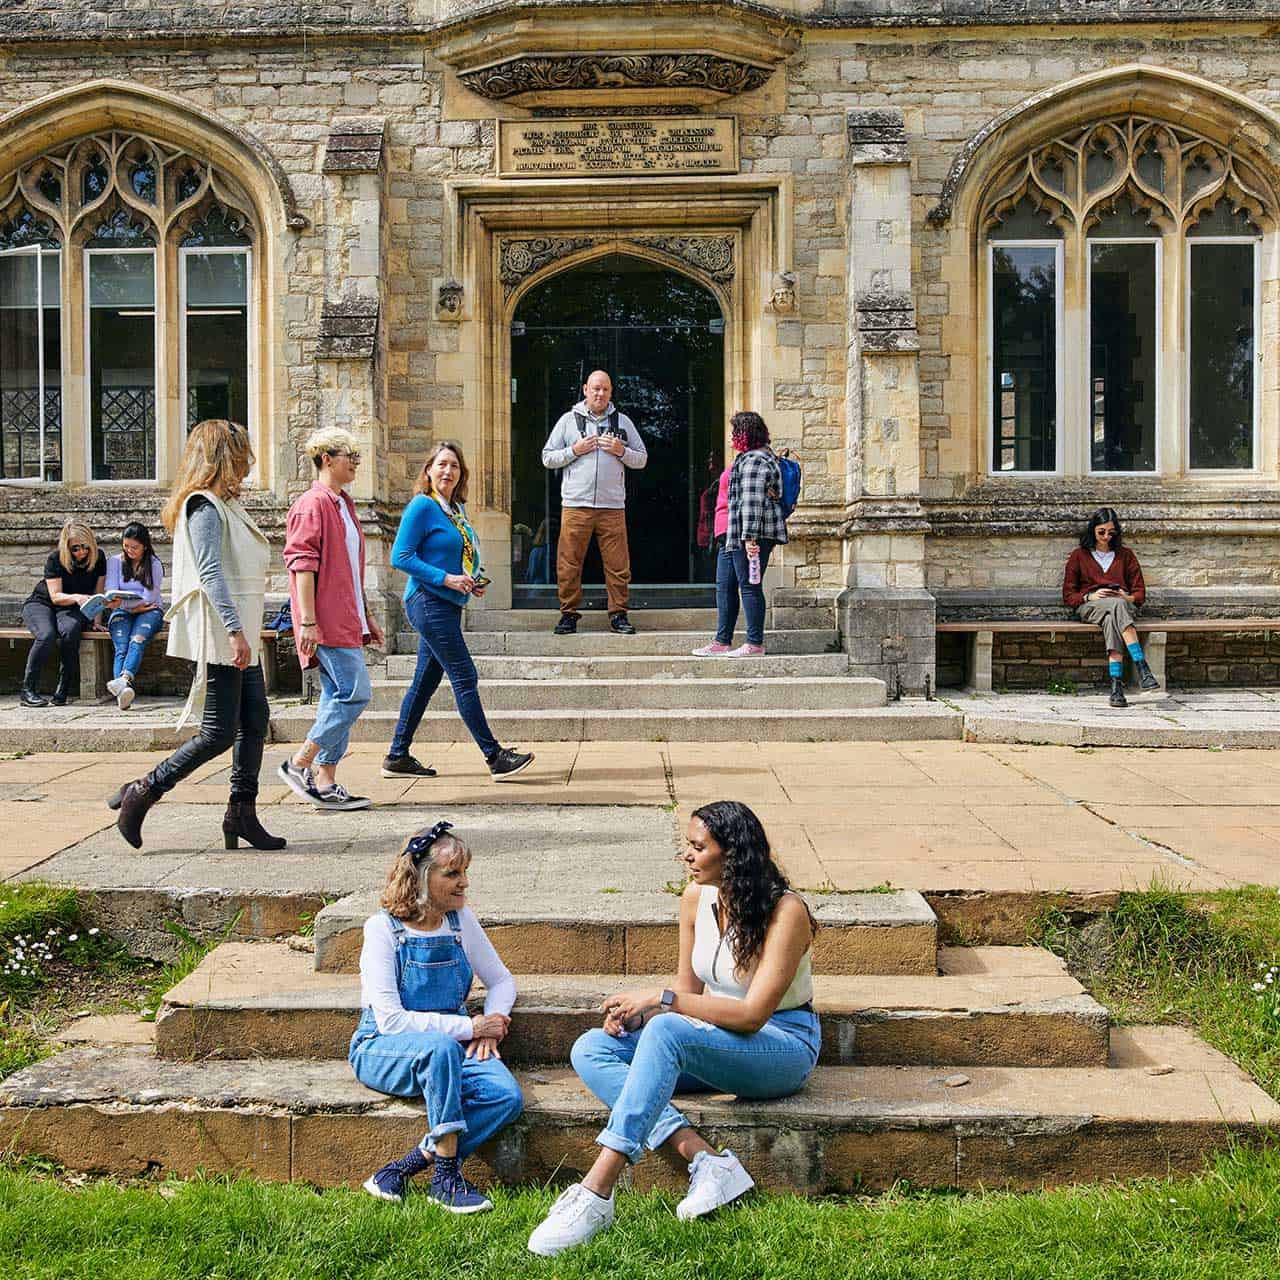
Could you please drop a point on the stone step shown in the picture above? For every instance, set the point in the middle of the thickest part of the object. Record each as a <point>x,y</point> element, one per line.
<point>542,644</point>
<point>118,1110</point>
<point>907,720</point>
<point>656,667</point>
<point>592,621</point>
<point>989,1006</point>
<point>634,932</point>
<point>825,693</point>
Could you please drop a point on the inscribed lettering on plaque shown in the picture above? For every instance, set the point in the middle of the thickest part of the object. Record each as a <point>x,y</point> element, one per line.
<point>632,145</point>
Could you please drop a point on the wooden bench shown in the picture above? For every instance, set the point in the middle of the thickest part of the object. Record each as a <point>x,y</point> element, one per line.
<point>1155,633</point>
<point>96,653</point>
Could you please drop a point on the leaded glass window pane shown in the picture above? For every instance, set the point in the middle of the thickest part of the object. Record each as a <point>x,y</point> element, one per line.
<point>1222,354</point>
<point>217,335</point>
<point>1123,349</point>
<point>1024,357</point>
<point>122,365</point>
<point>30,366</point>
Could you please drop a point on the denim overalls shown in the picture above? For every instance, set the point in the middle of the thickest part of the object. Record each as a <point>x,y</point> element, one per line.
<point>463,1095</point>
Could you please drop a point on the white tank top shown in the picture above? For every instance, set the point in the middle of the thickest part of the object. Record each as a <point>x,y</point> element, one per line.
<point>713,960</point>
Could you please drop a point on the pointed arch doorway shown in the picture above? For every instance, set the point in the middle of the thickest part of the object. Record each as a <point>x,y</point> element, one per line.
<point>660,336</point>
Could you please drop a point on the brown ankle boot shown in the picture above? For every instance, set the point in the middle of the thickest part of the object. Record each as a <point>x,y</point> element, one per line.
<point>241,822</point>
<point>134,801</point>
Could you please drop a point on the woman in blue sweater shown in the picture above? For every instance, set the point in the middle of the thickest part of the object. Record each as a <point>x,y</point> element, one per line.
<point>437,548</point>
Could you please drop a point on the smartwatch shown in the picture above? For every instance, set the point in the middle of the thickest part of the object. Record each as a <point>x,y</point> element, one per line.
<point>667,1000</point>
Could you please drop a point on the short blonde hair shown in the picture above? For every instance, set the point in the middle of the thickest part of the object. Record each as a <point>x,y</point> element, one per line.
<point>328,440</point>
<point>79,531</point>
<point>405,893</point>
<point>464,473</point>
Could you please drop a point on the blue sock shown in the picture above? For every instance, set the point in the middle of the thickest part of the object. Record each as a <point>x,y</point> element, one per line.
<point>1135,651</point>
<point>1115,668</point>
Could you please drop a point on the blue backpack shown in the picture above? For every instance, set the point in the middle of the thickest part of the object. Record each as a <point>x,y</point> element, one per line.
<point>790,470</point>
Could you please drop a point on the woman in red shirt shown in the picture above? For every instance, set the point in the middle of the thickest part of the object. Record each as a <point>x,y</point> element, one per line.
<point>1103,584</point>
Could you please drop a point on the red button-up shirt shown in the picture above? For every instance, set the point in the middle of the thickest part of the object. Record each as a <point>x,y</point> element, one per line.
<point>316,542</point>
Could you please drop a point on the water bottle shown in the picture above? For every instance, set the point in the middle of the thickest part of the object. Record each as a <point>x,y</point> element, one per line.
<point>753,568</point>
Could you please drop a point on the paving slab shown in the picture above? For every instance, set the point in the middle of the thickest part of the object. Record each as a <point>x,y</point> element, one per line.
<point>121,1111</point>
<point>265,1000</point>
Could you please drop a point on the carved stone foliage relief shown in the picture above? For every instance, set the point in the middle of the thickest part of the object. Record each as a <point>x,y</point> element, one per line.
<point>518,259</point>
<point>616,71</point>
<point>1169,174</point>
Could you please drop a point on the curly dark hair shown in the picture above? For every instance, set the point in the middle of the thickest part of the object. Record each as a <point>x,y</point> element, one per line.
<point>747,431</point>
<point>1103,515</point>
<point>751,882</point>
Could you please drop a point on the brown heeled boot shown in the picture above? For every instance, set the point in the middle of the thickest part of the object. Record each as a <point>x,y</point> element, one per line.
<point>240,822</point>
<point>134,801</point>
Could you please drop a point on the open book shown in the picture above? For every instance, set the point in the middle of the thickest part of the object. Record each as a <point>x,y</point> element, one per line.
<point>95,605</point>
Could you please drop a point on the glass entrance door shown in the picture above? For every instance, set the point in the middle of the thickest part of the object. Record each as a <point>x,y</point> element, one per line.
<point>660,337</point>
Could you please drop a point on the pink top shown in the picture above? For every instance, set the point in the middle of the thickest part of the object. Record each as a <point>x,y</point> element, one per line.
<point>316,542</point>
<point>721,525</point>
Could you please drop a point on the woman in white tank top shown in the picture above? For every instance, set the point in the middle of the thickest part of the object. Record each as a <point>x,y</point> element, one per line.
<point>739,1019</point>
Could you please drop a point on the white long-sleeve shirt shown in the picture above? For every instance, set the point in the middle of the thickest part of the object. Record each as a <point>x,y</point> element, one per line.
<point>380,992</point>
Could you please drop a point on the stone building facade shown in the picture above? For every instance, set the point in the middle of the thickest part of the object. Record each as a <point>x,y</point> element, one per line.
<point>983,265</point>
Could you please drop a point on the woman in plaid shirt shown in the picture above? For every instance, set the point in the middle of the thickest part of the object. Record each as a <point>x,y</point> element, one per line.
<point>756,526</point>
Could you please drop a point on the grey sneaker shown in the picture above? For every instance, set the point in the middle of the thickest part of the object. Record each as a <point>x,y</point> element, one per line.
<point>299,781</point>
<point>338,798</point>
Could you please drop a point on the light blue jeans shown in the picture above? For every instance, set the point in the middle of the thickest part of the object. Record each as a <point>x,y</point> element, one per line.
<point>345,691</point>
<point>635,1074</point>
<point>130,635</point>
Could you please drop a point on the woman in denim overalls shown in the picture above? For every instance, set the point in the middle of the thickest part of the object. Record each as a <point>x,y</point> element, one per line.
<point>415,1038</point>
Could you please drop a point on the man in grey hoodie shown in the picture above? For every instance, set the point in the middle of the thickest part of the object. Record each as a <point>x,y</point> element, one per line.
<point>593,445</point>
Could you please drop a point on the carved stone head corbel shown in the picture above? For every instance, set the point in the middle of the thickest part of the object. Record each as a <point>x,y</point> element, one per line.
<point>449,301</point>
<point>783,299</point>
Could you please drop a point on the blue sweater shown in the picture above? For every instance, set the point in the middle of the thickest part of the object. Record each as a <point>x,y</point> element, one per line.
<point>427,546</point>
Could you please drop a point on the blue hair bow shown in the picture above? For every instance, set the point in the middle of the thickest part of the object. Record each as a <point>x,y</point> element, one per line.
<point>420,846</point>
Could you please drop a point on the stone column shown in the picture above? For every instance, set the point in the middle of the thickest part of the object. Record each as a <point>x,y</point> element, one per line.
<point>351,363</point>
<point>886,616</point>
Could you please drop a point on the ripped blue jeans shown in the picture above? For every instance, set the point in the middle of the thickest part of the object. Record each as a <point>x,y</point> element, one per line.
<point>130,635</point>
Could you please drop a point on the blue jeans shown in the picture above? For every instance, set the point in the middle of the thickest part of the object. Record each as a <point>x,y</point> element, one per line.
<point>463,1095</point>
<point>636,1073</point>
<point>345,691</point>
<point>732,577</point>
<point>441,651</point>
<point>130,635</point>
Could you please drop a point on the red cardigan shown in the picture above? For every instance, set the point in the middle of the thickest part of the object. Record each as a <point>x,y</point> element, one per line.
<point>1084,574</point>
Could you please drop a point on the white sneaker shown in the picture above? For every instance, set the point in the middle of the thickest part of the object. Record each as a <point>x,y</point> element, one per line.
<point>121,688</point>
<point>713,1181</point>
<point>578,1215</point>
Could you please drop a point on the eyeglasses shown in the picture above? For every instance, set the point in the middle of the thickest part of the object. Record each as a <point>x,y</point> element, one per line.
<point>353,454</point>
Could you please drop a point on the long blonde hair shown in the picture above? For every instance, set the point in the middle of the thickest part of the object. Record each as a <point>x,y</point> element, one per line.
<point>80,532</point>
<point>405,893</point>
<point>218,457</point>
<point>464,472</point>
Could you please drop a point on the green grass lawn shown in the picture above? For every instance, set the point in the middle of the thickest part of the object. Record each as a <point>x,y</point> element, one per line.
<point>1224,1225</point>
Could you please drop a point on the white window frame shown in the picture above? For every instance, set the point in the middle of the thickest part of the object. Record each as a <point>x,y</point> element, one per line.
<point>250,330</point>
<point>1059,281</point>
<point>156,282</point>
<point>1087,319</point>
<point>1189,243</point>
<point>38,251</point>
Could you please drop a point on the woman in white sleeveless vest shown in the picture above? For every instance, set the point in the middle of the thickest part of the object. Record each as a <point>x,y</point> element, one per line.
<point>220,560</point>
<point>738,1019</point>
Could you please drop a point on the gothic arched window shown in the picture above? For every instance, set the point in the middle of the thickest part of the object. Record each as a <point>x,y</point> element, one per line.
<point>1122,267</point>
<point>126,286</point>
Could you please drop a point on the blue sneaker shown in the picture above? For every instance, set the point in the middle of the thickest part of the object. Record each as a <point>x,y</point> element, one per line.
<point>452,1191</point>
<point>392,1180</point>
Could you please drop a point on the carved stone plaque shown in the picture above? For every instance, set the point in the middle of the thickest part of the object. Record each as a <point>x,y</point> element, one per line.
<point>606,147</point>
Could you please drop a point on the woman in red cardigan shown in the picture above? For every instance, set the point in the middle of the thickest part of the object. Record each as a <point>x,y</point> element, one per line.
<point>1103,584</point>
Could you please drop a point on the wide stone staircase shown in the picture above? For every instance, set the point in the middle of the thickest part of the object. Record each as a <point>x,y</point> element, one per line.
<point>598,686</point>
<point>942,1066</point>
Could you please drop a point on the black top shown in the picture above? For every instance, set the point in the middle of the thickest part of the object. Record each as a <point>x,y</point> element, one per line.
<point>77,582</point>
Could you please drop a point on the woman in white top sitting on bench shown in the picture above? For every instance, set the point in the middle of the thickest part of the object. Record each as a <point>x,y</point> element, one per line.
<point>739,1019</point>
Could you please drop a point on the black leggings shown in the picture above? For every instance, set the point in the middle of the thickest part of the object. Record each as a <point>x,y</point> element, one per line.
<point>236,716</point>
<point>52,626</point>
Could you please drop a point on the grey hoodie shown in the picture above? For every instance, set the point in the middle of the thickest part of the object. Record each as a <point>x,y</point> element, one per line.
<point>596,479</point>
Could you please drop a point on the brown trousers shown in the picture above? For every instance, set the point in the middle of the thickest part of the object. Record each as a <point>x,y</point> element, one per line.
<point>577,525</point>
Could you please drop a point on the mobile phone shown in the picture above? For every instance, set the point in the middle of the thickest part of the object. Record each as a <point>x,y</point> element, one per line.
<point>479,580</point>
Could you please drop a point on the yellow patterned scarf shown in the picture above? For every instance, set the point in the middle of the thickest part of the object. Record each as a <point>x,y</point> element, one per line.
<point>469,557</point>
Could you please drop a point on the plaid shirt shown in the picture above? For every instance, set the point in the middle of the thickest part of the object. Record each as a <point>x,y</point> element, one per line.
<point>753,514</point>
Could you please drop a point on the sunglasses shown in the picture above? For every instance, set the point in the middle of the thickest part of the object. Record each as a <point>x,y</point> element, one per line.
<point>79,546</point>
